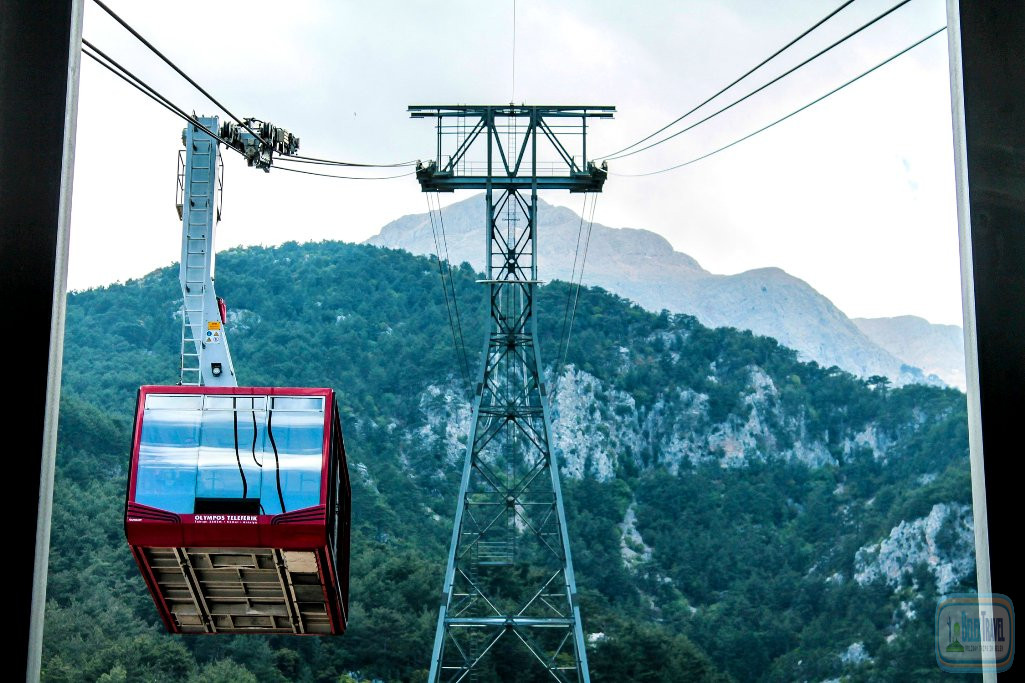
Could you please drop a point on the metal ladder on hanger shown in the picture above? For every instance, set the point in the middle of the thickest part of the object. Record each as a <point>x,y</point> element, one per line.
<point>195,252</point>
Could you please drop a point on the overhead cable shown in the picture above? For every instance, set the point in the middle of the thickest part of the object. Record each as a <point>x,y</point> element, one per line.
<point>580,279</point>
<point>197,86</point>
<point>174,66</point>
<point>784,118</point>
<point>738,80</point>
<point>451,281</point>
<point>107,62</point>
<point>279,167</point>
<point>459,348</point>
<point>569,292</point>
<point>576,296</point>
<point>512,98</point>
<point>299,158</point>
<point>147,90</point>
<point>766,85</point>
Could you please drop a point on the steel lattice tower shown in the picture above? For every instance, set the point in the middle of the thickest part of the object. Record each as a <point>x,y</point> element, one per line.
<point>509,578</point>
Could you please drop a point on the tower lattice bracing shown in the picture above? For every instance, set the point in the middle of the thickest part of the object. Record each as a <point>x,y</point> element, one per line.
<point>509,601</point>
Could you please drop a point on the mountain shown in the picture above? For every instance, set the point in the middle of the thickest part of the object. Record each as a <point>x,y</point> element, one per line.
<point>936,349</point>
<point>643,267</point>
<point>735,514</point>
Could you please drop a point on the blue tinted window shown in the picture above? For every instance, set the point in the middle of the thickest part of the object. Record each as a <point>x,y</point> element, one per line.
<point>228,466</point>
<point>168,457</point>
<point>220,447</point>
<point>299,439</point>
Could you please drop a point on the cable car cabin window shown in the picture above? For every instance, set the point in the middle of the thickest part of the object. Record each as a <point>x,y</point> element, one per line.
<point>231,454</point>
<point>295,454</point>
<point>169,452</point>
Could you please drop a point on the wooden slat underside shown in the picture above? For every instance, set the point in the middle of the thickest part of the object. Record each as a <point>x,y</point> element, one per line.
<point>241,590</point>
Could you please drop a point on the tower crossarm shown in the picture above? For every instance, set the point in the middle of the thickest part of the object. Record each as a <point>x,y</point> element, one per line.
<point>511,147</point>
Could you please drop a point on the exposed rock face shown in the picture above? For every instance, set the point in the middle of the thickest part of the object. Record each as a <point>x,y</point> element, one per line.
<point>632,548</point>
<point>943,540</point>
<point>855,654</point>
<point>446,422</point>
<point>596,426</point>
<point>936,349</point>
<point>643,267</point>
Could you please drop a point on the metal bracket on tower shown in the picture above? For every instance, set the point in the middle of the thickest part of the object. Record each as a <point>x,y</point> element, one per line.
<point>509,578</point>
<point>205,359</point>
<point>259,151</point>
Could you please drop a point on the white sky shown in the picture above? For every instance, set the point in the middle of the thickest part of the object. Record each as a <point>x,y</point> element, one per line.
<point>855,196</point>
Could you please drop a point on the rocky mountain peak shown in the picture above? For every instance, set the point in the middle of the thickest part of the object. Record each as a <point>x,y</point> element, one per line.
<point>642,266</point>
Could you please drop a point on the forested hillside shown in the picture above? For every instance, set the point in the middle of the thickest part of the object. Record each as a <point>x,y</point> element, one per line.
<point>734,513</point>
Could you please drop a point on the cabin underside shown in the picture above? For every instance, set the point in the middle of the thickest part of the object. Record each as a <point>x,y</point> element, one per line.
<point>240,590</point>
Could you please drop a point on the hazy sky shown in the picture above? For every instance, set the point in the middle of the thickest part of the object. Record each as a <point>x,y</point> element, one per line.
<point>855,196</point>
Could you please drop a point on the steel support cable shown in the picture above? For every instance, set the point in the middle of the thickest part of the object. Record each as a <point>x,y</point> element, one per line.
<point>340,177</point>
<point>128,77</point>
<point>444,288</point>
<point>793,113</point>
<point>576,297</point>
<point>760,64</point>
<point>300,159</point>
<point>452,285</point>
<point>569,292</point>
<point>512,98</point>
<point>174,66</point>
<point>766,85</point>
<point>580,279</point>
<point>210,97</point>
<point>445,271</point>
<point>445,267</point>
<point>147,90</point>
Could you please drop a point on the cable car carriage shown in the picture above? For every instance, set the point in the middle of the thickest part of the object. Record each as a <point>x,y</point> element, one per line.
<point>238,503</point>
<point>238,509</point>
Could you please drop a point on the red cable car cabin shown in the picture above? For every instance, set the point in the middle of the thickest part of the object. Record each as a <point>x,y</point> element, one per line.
<point>238,508</point>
